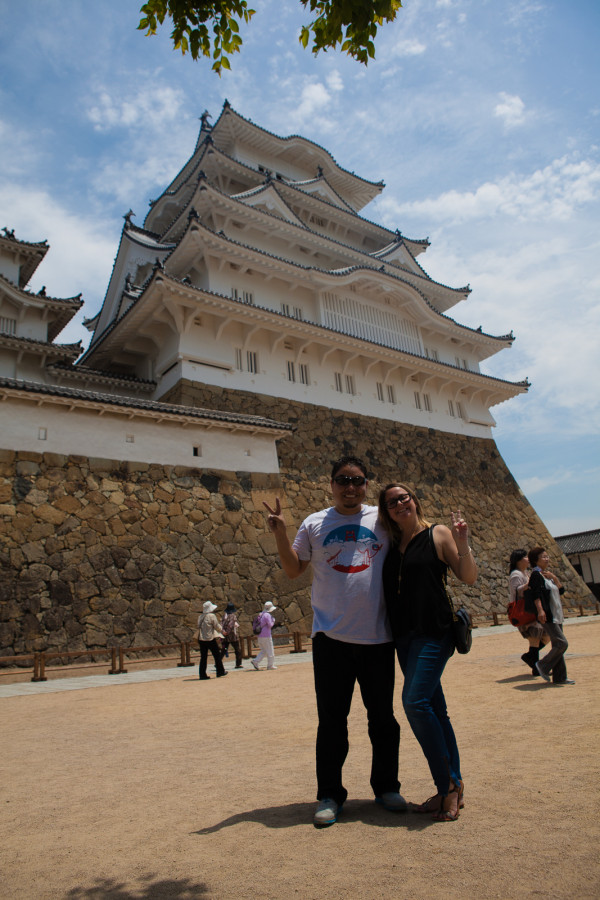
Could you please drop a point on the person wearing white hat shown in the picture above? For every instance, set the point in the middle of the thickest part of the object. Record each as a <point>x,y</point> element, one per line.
<point>264,639</point>
<point>208,632</point>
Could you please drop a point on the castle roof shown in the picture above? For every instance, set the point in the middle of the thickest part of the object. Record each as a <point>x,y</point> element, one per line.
<point>61,309</point>
<point>580,542</point>
<point>150,408</point>
<point>29,253</point>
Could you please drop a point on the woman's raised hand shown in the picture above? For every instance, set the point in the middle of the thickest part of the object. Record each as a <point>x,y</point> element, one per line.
<point>460,529</point>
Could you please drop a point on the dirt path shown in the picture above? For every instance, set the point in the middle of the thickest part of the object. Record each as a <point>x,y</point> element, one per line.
<point>179,789</point>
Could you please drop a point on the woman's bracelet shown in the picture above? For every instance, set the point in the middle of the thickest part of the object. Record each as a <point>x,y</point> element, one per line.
<point>462,555</point>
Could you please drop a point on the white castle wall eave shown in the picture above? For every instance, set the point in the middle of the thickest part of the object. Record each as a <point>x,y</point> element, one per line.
<point>51,428</point>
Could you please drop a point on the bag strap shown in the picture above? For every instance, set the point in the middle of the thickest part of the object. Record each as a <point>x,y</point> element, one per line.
<point>444,575</point>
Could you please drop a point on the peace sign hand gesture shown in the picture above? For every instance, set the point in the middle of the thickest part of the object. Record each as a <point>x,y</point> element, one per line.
<point>275,521</point>
<point>460,530</point>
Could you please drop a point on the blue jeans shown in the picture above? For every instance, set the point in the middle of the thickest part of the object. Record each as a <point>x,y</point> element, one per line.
<point>422,660</point>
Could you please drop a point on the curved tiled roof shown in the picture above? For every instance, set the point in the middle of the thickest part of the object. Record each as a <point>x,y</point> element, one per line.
<point>34,252</point>
<point>346,270</point>
<point>304,322</point>
<point>11,340</point>
<point>152,406</point>
<point>376,186</point>
<point>71,371</point>
<point>580,542</point>
<point>229,197</point>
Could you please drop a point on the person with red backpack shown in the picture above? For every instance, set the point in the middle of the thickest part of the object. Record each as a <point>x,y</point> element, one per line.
<point>526,622</point>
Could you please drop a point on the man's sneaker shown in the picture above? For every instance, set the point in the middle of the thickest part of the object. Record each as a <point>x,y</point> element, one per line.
<point>565,681</point>
<point>539,671</point>
<point>254,665</point>
<point>326,812</point>
<point>393,801</point>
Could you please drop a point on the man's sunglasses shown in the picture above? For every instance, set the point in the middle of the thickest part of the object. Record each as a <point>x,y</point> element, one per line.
<point>345,480</point>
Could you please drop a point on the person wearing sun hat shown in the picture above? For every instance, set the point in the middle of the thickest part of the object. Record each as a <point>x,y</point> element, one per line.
<point>208,632</point>
<point>264,639</point>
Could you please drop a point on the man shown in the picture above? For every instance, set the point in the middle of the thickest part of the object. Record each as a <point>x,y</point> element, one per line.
<point>351,637</point>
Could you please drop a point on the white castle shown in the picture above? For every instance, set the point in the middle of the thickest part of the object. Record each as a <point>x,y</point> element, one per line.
<point>254,272</point>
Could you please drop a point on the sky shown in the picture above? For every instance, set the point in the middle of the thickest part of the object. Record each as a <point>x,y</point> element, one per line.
<point>482,119</point>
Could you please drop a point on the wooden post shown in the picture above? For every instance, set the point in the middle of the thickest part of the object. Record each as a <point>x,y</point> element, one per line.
<point>495,618</point>
<point>113,658</point>
<point>122,669</point>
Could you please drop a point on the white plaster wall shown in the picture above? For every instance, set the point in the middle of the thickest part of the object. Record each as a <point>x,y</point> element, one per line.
<point>53,429</point>
<point>272,379</point>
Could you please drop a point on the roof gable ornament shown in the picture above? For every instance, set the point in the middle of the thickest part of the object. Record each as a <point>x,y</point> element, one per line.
<point>128,216</point>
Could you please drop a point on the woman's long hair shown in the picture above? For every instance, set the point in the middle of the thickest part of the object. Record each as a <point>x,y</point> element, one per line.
<point>392,529</point>
<point>515,557</point>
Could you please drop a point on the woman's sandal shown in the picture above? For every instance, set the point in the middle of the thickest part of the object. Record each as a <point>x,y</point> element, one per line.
<point>430,806</point>
<point>450,807</point>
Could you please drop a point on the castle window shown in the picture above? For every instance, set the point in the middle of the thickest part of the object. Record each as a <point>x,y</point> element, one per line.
<point>42,434</point>
<point>197,450</point>
<point>304,378</point>
<point>391,393</point>
<point>427,402</point>
<point>242,296</point>
<point>451,408</point>
<point>291,371</point>
<point>317,220</point>
<point>430,353</point>
<point>417,400</point>
<point>379,387</point>
<point>285,309</point>
<point>8,325</point>
<point>338,381</point>
<point>252,361</point>
<point>238,358</point>
<point>461,410</point>
<point>350,387</point>
<point>298,313</point>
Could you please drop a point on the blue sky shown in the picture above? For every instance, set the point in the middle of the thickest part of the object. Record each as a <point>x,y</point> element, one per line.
<point>482,119</point>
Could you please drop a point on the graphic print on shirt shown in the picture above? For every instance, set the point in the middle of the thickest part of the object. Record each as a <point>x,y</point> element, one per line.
<point>351,547</point>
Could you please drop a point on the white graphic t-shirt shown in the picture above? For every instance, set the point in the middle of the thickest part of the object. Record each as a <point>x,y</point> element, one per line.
<point>347,554</point>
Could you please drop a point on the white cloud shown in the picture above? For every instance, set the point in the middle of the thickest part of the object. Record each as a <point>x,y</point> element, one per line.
<point>334,81</point>
<point>511,110</point>
<point>154,108</point>
<point>408,47</point>
<point>554,192</point>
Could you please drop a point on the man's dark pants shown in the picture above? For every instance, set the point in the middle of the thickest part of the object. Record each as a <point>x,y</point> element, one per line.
<point>337,667</point>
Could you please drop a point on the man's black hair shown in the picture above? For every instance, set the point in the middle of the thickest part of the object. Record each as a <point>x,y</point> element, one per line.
<point>348,461</point>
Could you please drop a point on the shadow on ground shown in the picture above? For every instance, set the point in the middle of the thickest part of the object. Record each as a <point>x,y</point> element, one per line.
<point>294,815</point>
<point>163,889</point>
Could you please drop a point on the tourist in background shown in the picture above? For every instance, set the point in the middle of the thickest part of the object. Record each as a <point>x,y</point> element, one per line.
<point>231,634</point>
<point>517,583</point>
<point>545,590</point>
<point>208,632</point>
<point>420,614</point>
<point>264,639</point>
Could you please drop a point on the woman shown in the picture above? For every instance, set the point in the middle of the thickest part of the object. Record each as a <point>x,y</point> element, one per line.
<point>517,582</point>
<point>545,590</point>
<point>420,616</point>
<point>264,639</point>
<point>231,634</point>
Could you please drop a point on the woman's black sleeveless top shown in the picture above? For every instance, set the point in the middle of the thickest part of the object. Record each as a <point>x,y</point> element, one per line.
<point>414,590</point>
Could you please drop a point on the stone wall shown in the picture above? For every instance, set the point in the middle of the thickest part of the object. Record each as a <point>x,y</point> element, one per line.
<point>98,553</point>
